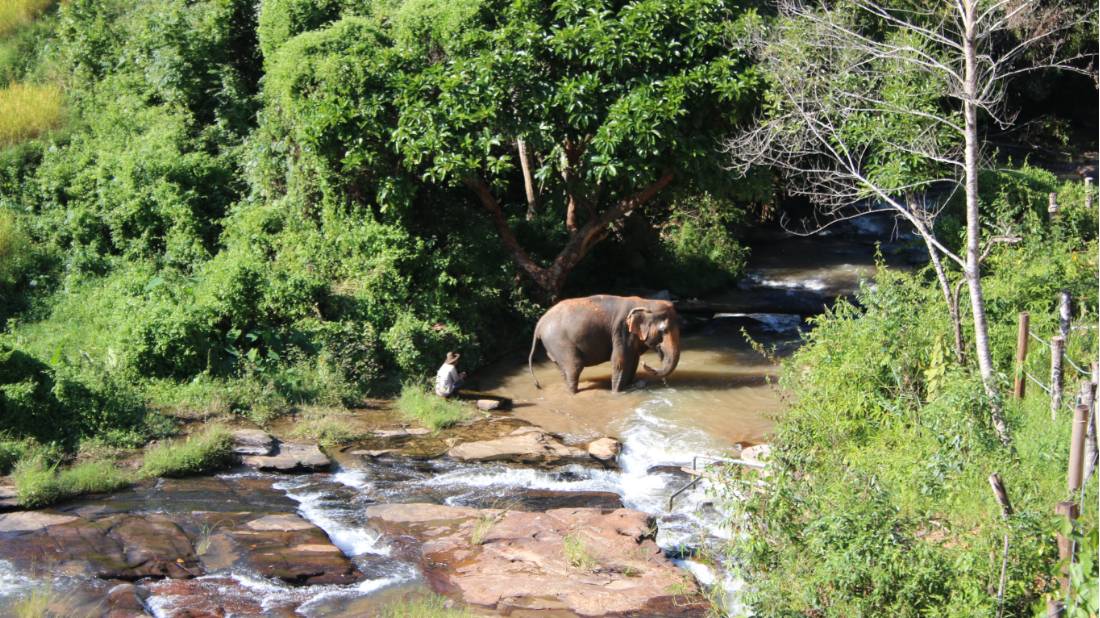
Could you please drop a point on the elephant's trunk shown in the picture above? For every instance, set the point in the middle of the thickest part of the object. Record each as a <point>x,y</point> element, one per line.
<point>669,351</point>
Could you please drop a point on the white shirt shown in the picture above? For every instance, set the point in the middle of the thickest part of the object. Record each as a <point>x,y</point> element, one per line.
<point>445,380</point>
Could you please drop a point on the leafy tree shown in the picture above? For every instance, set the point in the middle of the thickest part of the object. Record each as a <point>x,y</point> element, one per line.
<point>876,105</point>
<point>610,102</point>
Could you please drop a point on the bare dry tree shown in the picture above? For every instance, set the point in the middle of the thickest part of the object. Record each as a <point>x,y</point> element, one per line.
<point>874,108</point>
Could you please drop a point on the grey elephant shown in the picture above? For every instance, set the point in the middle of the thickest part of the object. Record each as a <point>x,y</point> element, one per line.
<point>582,332</point>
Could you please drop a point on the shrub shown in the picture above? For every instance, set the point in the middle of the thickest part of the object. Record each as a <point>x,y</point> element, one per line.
<point>434,412</point>
<point>203,453</point>
<point>15,13</point>
<point>699,251</point>
<point>877,500</point>
<point>27,111</point>
<point>39,484</point>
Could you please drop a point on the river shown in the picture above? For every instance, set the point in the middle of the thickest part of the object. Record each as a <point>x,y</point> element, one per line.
<point>721,397</point>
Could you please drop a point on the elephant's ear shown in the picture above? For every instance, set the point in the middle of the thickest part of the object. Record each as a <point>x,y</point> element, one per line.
<point>637,324</point>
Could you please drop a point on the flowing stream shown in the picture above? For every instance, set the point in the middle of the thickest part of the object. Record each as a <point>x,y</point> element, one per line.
<point>721,397</point>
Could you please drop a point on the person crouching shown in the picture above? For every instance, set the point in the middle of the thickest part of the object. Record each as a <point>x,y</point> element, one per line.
<point>448,379</point>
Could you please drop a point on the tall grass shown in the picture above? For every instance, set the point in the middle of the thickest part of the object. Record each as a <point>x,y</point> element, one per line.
<point>28,110</point>
<point>434,412</point>
<point>15,13</point>
<point>209,451</point>
<point>39,484</point>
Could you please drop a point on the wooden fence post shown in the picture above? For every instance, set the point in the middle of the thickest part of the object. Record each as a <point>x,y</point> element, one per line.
<point>1052,205</point>
<point>1021,354</point>
<point>1088,192</point>
<point>1057,349</point>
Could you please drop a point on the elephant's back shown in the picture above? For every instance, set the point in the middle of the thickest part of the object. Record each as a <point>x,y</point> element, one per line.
<point>581,326</point>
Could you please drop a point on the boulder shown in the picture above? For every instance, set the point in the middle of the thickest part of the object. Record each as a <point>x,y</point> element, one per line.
<point>545,499</point>
<point>488,404</point>
<point>290,457</point>
<point>529,445</point>
<point>126,601</point>
<point>589,562</point>
<point>209,597</point>
<point>760,453</point>
<point>605,449</point>
<point>252,442</point>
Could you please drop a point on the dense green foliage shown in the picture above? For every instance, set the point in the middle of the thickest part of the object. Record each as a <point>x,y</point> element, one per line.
<point>878,503</point>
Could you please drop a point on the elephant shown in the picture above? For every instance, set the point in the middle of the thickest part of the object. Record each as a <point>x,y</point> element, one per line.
<point>582,332</point>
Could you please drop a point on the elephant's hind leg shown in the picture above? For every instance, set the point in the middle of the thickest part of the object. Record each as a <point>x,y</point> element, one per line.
<point>571,371</point>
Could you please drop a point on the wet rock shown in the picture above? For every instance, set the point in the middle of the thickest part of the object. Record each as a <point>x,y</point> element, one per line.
<point>488,404</point>
<point>126,547</point>
<point>529,445</point>
<point>546,499</point>
<point>126,601</point>
<point>290,457</point>
<point>252,442</point>
<point>400,431</point>
<point>373,453</point>
<point>188,495</point>
<point>282,546</point>
<point>605,449</point>
<point>207,597</point>
<point>26,521</point>
<point>514,561</point>
<point>8,499</point>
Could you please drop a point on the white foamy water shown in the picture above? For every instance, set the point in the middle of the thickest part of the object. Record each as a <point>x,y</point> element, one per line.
<point>353,538</point>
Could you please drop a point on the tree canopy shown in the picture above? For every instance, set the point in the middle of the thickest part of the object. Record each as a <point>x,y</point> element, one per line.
<point>614,101</point>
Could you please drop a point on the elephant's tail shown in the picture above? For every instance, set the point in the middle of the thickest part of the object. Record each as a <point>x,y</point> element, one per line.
<point>531,357</point>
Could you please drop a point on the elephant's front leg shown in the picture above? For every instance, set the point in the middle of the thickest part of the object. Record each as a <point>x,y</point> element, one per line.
<point>624,364</point>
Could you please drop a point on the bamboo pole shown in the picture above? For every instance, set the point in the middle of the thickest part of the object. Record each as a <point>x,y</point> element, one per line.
<point>1021,354</point>
<point>1001,495</point>
<point>1057,349</point>
<point>1065,313</point>
<point>1077,450</point>
<point>1088,397</point>
<point>1067,509</point>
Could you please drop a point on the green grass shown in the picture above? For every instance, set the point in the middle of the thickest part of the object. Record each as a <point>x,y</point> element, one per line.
<point>16,13</point>
<point>429,607</point>
<point>434,412</point>
<point>28,110</point>
<point>202,453</point>
<point>39,484</point>
<point>327,429</point>
<point>577,553</point>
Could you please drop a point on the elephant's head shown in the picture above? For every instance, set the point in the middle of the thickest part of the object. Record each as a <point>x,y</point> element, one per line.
<point>658,327</point>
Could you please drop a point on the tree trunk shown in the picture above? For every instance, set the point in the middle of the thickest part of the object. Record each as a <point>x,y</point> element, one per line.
<point>972,271</point>
<point>945,287</point>
<point>551,279</point>
<point>528,180</point>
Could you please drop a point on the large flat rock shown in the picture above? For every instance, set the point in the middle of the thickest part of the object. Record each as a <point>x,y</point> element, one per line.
<point>589,562</point>
<point>290,457</point>
<point>528,445</point>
